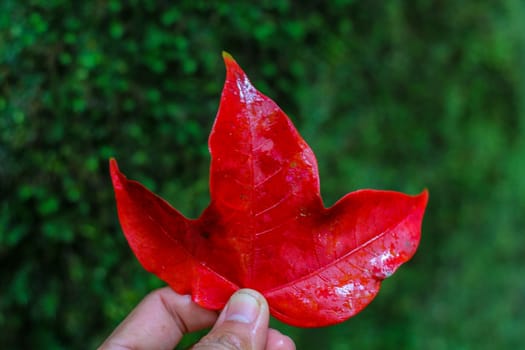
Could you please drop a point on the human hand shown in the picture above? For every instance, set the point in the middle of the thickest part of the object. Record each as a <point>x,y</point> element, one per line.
<point>163,317</point>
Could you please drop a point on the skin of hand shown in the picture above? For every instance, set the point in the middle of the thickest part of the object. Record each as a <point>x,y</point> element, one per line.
<point>163,317</point>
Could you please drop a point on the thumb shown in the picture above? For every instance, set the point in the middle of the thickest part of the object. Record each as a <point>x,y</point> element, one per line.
<point>242,325</point>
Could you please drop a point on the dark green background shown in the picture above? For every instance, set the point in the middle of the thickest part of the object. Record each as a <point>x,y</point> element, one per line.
<point>400,95</point>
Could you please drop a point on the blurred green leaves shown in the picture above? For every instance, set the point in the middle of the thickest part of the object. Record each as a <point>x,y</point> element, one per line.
<point>390,95</point>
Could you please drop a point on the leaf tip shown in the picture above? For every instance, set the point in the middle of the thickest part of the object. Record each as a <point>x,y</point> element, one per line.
<point>232,67</point>
<point>113,166</point>
<point>116,175</point>
<point>423,197</point>
<point>237,83</point>
<point>227,56</point>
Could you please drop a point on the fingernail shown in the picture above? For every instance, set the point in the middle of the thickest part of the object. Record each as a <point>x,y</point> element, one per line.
<point>243,308</point>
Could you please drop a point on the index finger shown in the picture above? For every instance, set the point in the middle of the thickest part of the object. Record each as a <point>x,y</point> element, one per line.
<point>159,322</point>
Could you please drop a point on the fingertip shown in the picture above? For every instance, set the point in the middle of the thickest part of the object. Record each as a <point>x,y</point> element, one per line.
<point>243,324</point>
<point>279,341</point>
<point>243,307</point>
<point>246,306</point>
<point>252,292</point>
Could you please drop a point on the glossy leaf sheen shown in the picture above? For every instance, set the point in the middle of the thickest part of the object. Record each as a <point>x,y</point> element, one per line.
<point>266,227</point>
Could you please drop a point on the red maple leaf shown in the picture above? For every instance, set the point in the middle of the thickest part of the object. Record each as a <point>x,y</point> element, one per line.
<point>266,227</point>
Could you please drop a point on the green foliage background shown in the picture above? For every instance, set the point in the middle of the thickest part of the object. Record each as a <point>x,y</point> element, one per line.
<point>394,94</point>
